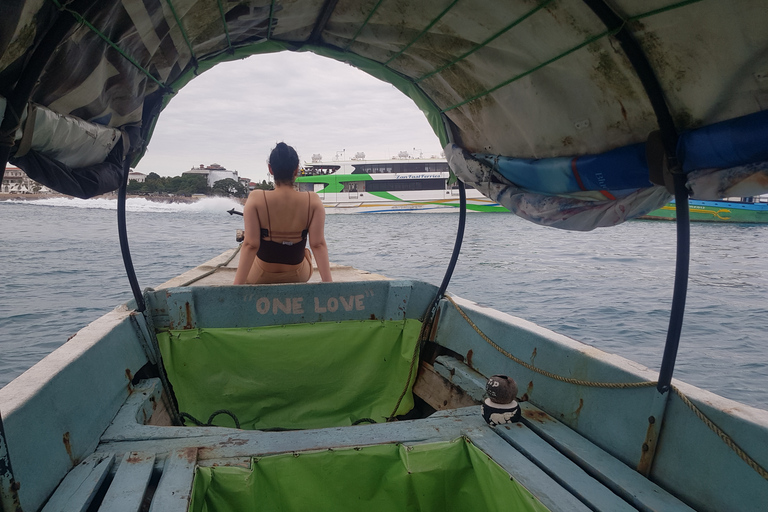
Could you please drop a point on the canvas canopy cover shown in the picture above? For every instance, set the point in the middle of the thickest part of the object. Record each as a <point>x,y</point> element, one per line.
<point>571,113</point>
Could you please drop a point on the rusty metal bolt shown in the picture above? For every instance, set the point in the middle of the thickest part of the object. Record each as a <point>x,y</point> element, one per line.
<point>501,389</point>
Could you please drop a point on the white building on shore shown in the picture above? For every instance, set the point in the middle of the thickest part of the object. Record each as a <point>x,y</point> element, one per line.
<point>136,176</point>
<point>16,181</point>
<point>214,173</point>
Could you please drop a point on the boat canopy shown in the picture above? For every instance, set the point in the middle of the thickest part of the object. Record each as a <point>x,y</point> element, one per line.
<point>571,113</point>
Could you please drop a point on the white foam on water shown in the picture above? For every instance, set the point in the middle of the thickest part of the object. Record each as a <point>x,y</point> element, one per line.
<point>138,204</point>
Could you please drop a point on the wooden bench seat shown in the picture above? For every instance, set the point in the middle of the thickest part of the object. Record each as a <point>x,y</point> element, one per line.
<point>131,484</point>
<point>597,478</point>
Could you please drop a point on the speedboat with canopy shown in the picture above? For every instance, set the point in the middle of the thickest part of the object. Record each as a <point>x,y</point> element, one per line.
<point>575,114</point>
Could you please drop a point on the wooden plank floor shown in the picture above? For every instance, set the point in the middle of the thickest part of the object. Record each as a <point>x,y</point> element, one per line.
<point>176,458</point>
<point>562,469</point>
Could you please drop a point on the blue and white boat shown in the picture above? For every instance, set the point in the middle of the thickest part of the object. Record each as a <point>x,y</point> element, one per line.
<point>367,392</point>
<point>742,210</point>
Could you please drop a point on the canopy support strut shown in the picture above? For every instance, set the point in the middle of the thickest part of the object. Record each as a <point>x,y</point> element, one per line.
<point>123,233</point>
<point>669,138</point>
<point>322,21</point>
<point>430,317</point>
<point>459,239</point>
<point>682,262</point>
<point>645,73</point>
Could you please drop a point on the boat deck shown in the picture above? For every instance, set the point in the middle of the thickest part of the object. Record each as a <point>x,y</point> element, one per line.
<point>141,462</point>
<point>140,466</point>
<point>220,271</point>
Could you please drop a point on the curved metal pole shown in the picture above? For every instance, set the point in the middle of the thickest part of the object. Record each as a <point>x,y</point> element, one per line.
<point>430,316</point>
<point>682,215</point>
<point>457,243</point>
<point>123,233</point>
<point>669,138</point>
<point>645,73</point>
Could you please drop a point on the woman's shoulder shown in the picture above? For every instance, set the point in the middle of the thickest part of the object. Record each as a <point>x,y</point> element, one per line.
<point>255,197</point>
<point>257,193</point>
<point>314,198</point>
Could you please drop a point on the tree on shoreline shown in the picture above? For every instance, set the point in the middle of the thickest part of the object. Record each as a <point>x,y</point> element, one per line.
<point>229,187</point>
<point>190,184</point>
<point>185,185</point>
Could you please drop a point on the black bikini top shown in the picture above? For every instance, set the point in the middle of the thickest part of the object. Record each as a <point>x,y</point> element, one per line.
<point>289,253</point>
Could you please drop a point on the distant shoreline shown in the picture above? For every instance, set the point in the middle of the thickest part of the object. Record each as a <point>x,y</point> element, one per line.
<point>156,199</point>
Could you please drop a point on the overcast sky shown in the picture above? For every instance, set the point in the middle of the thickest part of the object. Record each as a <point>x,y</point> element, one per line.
<point>234,114</point>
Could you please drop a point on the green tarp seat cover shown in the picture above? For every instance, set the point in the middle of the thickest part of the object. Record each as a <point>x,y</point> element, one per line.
<point>440,477</point>
<point>293,376</point>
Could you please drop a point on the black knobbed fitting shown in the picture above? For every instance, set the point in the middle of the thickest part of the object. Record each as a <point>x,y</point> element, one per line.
<point>501,389</point>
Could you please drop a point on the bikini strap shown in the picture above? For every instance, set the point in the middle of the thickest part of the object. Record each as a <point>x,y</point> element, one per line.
<point>266,204</point>
<point>309,208</point>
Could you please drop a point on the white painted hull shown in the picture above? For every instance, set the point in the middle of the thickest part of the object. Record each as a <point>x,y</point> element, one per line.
<point>378,205</point>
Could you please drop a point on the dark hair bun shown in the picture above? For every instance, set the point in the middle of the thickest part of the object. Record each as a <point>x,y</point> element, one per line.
<point>283,160</point>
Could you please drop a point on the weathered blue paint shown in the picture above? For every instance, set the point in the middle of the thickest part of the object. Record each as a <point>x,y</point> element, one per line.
<point>81,485</point>
<point>127,489</point>
<point>56,411</point>
<point>685,441</point>
<point>603,468</point>
<point>259,305</point>
<point>175,486</point>
<point>8,490</point>
<point>590,411</point>
<point>624,481</point>
<point>690,460</point>
<point>562,469</point>
<point>459,374</point>
<point>554,496</point>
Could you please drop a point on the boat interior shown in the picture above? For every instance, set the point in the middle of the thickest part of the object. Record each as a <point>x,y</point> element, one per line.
<point>573,114</point>
<point>247,382</point>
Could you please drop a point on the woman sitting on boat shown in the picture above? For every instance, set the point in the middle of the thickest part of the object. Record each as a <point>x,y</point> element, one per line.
<point>277,224</point>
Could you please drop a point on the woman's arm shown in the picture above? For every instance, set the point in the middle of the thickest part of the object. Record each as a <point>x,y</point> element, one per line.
<point>251,241</point>
<point>317,238</point>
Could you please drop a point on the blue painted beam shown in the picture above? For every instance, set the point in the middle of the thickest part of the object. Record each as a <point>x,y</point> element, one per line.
<point>126,492</point>
<point>78,489</point>
<point>175,486</point>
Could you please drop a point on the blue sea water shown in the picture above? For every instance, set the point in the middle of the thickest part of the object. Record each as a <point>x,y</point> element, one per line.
<point>610,288</point>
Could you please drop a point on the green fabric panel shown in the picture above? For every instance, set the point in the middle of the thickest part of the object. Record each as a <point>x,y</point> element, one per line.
<point>293,376</point>
<point>444,477</point>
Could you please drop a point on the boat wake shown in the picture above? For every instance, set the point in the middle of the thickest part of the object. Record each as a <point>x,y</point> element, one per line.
<point>137,204</point>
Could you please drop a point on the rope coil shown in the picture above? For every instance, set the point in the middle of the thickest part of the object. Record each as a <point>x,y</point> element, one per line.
<point>619,385</point>
<point>211,418</point>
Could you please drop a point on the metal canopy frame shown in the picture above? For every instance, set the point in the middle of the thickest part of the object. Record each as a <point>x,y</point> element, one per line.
<point>616,26</point>
<point>68,14</point>
<point>669,138</point>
